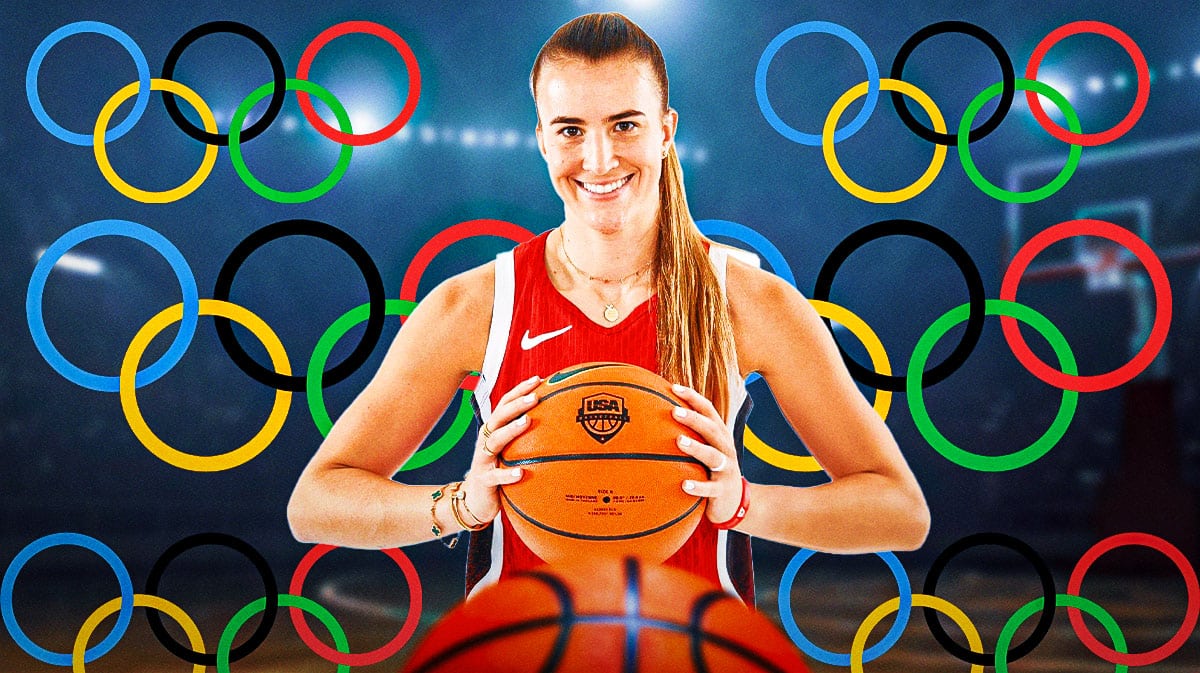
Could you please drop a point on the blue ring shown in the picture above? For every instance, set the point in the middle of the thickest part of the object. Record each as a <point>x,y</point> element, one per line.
<point>56,540</point>
<point>761,245</point>
<point>35,64</point>
<point>833,658</point>
<point>37,285</point>
<point>836,30</point>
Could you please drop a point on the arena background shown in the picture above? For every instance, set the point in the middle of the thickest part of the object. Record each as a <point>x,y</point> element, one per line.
<point>1128,462</point>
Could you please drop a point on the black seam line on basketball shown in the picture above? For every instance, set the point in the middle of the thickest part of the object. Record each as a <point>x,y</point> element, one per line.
<point>562,376</point>
<point>566,620</point>
<point>601,456</point>
<point>621,384</point>
<point>633,614</point>
<point>601,538</point>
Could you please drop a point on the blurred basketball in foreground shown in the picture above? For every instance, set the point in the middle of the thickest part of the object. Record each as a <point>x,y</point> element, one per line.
<point>611,615</point>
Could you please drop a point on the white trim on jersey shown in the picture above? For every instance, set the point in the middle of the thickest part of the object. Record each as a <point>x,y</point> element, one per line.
<point>502,313</point>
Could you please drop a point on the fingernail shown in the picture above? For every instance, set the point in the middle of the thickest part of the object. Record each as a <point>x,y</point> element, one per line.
<point>680,412</point>
<point>689,486</point>
<point>533,378</point>
<point>684,440</point>
<point>516,472</point>
<point>678,388</point>
<point>522,420</point>
<point>529,399</point>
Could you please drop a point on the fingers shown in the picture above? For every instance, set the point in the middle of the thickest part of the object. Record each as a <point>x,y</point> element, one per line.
<point>490,446</point>
<point>713,458</point>
<point>507,420</point>
<point>697,401</point>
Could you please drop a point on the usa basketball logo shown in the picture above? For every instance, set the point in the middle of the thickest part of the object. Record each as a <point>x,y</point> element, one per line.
<point>602,415</point>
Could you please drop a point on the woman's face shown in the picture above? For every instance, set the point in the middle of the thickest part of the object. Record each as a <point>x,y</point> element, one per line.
<point>603,132</point>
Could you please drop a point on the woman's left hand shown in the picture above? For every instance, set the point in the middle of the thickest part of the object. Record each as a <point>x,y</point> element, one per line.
<point>716,452</point>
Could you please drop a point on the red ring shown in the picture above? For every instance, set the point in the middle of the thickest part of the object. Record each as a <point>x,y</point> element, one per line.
<point>1162,305</point>
<point>1139,64</point>
<point>366,658</point>
<point>414,82</point>
<point>1190,617</point>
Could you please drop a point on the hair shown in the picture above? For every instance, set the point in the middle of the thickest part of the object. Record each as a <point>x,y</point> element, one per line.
<point>695,332</point>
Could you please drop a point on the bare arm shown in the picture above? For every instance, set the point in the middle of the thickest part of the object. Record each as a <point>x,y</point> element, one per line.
<point>345,496</point>
<point>873,502</point>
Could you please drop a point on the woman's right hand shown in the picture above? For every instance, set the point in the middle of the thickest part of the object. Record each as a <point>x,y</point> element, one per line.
<point>507,421</point>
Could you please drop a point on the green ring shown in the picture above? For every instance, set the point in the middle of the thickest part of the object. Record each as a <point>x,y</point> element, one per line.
<point>235,148</point>
<point>316,396</point>
<point>964,148</point>
<point>1061,600</point>
<point>974,461</point>
<point>285,601</point>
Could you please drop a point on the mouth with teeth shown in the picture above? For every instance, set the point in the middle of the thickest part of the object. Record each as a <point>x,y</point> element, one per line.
<point>603,189</point>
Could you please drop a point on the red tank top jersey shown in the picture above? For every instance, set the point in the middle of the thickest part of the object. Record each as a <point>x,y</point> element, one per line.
<point>536,330</point>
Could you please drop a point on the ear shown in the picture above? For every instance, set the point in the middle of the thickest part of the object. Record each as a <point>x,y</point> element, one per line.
<point>537,133</point>
<point>670,124</point>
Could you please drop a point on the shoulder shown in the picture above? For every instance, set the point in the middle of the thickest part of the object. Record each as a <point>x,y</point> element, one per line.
<point>767,313</point>
<point>455,316</point>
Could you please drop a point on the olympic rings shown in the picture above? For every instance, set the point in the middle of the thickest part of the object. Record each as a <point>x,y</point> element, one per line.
<point>1073,603</point>
<point>978,656</point>
<point>1192,613</point>
<point>883,398</point>
<point>271,590</point>
<point>870,195</point>
<point>1007,83</point>
<point>57,540</point>
<point>448,236</point>
<point>905,603</point>
<point>35,65</point>
<point>764,62</point>
<point>1139,65</point>
<point>144,196</point>
<point>943,240</point>
<point>325,232</point>
<point>974,461</point>
<point>143,601</point>
<point>366,658</point>
<point>316,403</point>
<point>1162,305</point>
<point>998,193</point>
<point>410,62</point>
<point>288,601</point>
<point>278,76</point>
<point>929,603</point>
<point>171,455</point>
<point>276,195</point>
<point>60,247</point>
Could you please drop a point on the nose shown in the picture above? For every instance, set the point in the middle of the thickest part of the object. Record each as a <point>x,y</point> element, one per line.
<point>598,154</point>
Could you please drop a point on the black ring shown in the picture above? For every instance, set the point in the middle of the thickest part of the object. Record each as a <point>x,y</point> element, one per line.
<point>1007,76</point>
<point>375,292</point>
<point>269,586</point>
<point>278,73</point>
<point>970,272</point>
<point>1008,542</point>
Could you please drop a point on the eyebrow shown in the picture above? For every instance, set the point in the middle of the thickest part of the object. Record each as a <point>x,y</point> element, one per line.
<point>608,120</point>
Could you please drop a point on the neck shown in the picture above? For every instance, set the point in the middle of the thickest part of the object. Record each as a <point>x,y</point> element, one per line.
<point>608,255</point>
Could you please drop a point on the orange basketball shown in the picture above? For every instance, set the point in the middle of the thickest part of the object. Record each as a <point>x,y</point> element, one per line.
<point>602,472</point>
<point>608,616</point>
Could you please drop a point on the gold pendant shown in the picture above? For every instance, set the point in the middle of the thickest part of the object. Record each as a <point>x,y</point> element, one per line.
<point>610,313</point>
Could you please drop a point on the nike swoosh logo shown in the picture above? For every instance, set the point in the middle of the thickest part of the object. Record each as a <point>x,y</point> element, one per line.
<point>528,342</point>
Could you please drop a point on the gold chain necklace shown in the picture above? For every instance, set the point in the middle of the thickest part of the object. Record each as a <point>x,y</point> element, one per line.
<point>611,313</point>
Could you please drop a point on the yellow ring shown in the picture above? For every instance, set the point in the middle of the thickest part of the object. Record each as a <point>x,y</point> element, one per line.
<point>918,601</point>
<point>139,600</point>
<point>870,195</point>
<point>106,113</point>
<point>883,398</point>
<point>187,461</point>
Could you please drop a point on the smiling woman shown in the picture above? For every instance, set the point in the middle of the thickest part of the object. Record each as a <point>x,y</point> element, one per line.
<point>626,277</point>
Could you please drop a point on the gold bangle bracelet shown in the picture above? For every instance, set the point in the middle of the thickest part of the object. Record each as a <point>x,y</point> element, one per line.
<point>456,497</point>
<point>480,522</point>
